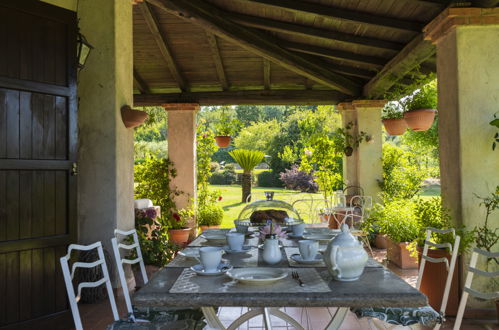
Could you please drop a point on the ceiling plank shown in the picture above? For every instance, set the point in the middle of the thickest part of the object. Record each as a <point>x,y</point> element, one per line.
<point>344,14</point>
<point>415,53</point>
<point>373,61</point>
<point>213,20</point>
<point>312,32</point>
<point>277,97</point>
<point>266,74</point>
<point>140,83</point>
<point>153,25</point>
<point>219,66</point>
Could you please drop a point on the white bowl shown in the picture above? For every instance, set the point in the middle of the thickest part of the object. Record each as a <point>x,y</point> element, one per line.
<point>257,275</point>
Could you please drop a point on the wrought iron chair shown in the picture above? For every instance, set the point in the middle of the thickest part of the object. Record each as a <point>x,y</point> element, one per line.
<point>69,275</point>
<point>467,290</point>
<point>426,316</point>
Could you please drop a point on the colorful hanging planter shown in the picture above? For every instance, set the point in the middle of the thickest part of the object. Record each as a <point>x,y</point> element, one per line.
<point>223,141</point>
<point>420,119</point>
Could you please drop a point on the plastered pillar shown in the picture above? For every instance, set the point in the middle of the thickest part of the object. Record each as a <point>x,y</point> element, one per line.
<point>105,179</point>
<point>364,167</point>
<point>467,42</point>
<point>182,150</point>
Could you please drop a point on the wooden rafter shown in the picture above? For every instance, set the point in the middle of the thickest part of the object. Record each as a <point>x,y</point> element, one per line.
<point>153,25</point>
<point>311,32</point>
<point>215,50</point>
<point>344,14</point>
<point>266,74</point>
<point>415,53</point>
<point>211,19</point>
<point>295,97</point>
<point>373,61</point>
<point>140,83</point>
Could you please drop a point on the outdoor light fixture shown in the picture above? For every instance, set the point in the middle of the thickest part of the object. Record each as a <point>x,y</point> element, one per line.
<point>83,50</point>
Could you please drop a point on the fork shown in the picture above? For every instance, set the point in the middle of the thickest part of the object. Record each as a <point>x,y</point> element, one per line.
<point>295,275</point>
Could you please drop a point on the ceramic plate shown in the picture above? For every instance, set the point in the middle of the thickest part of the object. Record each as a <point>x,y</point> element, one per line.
<point>244,249</point>
<point>189,253</point>
<point>324,238</point>
<point>213,236</point>
<point>297,257</point>
<point>222,269</point>
<point>257,275</point>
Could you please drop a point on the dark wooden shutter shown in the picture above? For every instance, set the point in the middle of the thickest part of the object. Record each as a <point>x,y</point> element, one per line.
<point>38,145</point>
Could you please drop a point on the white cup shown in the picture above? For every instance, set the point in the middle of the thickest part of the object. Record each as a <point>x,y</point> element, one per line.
<point>308,249</point>
<point>210,257</point>
<point>298,229</point>
<point>235,241</point>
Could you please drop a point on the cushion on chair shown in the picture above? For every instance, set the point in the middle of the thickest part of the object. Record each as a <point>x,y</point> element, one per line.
<point>426,316</point>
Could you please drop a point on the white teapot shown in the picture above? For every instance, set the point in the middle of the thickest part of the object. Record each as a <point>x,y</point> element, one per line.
<point>345,256</point>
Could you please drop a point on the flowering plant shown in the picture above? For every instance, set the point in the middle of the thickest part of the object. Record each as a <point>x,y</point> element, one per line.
<point>176,221</point>
<point>273,229</point>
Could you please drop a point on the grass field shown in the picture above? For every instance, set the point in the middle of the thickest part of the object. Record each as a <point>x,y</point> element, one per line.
<point>231,199</point>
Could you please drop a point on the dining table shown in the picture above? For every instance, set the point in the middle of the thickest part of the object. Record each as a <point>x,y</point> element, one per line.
<point>176,285</point>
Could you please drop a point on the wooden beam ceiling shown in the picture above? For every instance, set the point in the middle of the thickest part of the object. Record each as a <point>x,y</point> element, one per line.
<point>311,32</point>
<point>344,14</point>
<point>140,83</point>
<point>415,53</point>
<point>283,97</point>
<point>219,66</point>
<point>266,74</point>
<point>213,20</point>
<point>153,25</point>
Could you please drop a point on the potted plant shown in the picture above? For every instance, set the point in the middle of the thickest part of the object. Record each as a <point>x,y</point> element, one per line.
<point>431,213</point>
<point>420,107</point>
<point>393,119</point>
<point>371,226</point>
<point>178,232</point>
<point>397,221</point>
<point>210,216</point>
<point>487,238</point>
<point>225,128</point>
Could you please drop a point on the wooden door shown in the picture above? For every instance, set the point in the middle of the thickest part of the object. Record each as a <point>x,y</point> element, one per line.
<point>37,151</point>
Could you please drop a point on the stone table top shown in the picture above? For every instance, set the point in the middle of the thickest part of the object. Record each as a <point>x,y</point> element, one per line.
<point>377,287</point>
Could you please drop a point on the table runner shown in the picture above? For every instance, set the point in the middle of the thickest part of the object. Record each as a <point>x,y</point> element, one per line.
<point>189,282</point>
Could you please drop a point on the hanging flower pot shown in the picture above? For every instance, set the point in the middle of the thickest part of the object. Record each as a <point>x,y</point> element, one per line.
<point>132,118</point>
<point>179,236</point>
<point>222,141</point>
<point>420,119</point>
<point>348,151</point>
<point>395,126</point>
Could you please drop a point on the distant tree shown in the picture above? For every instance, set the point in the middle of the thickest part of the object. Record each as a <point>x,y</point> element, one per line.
<point>248,114</point>
<point>247,159</point>
<point>257,136</point>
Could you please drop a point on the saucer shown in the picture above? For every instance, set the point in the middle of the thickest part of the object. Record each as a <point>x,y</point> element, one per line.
<point>291,235</point>
<point>244,249</point>
<point>297,257</point>
<point>222,269</point>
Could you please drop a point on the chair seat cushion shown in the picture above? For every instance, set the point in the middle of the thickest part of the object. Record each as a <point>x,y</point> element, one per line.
<point>426,316</point>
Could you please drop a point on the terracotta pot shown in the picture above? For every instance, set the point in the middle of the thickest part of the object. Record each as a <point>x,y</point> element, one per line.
<point>222,141</point>
<point>203,228</point>
<point>380,241</point>
<point>433,281</point>
<point>399,255</point>
<point>420,119</point>
<point>396,126</point>
<point>179,236</point>
<point>132,118</point>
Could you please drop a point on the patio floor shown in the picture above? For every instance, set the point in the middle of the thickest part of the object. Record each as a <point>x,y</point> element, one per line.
<point>98,316</point>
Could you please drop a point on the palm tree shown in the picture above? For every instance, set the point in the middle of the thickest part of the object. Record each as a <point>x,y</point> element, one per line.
<point>247,159</point>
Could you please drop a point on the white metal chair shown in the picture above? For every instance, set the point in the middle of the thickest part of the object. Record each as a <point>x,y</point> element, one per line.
<point>467,290</point>
<point>120,261</point>
<point>68,279</point>
<point>427,311</point>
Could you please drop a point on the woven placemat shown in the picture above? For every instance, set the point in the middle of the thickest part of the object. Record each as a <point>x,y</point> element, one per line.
<point>189,282</point>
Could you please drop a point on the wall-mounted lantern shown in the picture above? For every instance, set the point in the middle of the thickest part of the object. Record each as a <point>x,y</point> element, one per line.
<point>83,50</point>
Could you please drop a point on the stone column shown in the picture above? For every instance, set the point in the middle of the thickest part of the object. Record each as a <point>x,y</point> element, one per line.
<point>105,180</point>
<point>182,149</point>
<point>468,96</point>
<point>364,167</point>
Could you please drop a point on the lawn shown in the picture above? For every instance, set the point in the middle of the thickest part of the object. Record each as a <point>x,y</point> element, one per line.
<point>231,199</point>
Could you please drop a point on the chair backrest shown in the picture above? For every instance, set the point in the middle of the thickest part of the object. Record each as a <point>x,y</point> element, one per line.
<point>453,250</point>
<point>306,205</point>
<point>120,261</point>
<point>69,275</point>
<point>467,290</point>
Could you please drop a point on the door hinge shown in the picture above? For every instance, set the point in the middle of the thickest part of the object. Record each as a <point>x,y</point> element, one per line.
<point>74,169</point>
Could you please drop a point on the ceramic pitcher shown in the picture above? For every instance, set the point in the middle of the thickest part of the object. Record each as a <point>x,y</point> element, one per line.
<point>345,256</point>
<point>271,251</point>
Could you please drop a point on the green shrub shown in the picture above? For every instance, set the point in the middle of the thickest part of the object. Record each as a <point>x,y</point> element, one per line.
<point>210,215</point>
<point>396,219</point>
<point>268,179</point>
<point>424,98</point>
<point>223,178</point>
